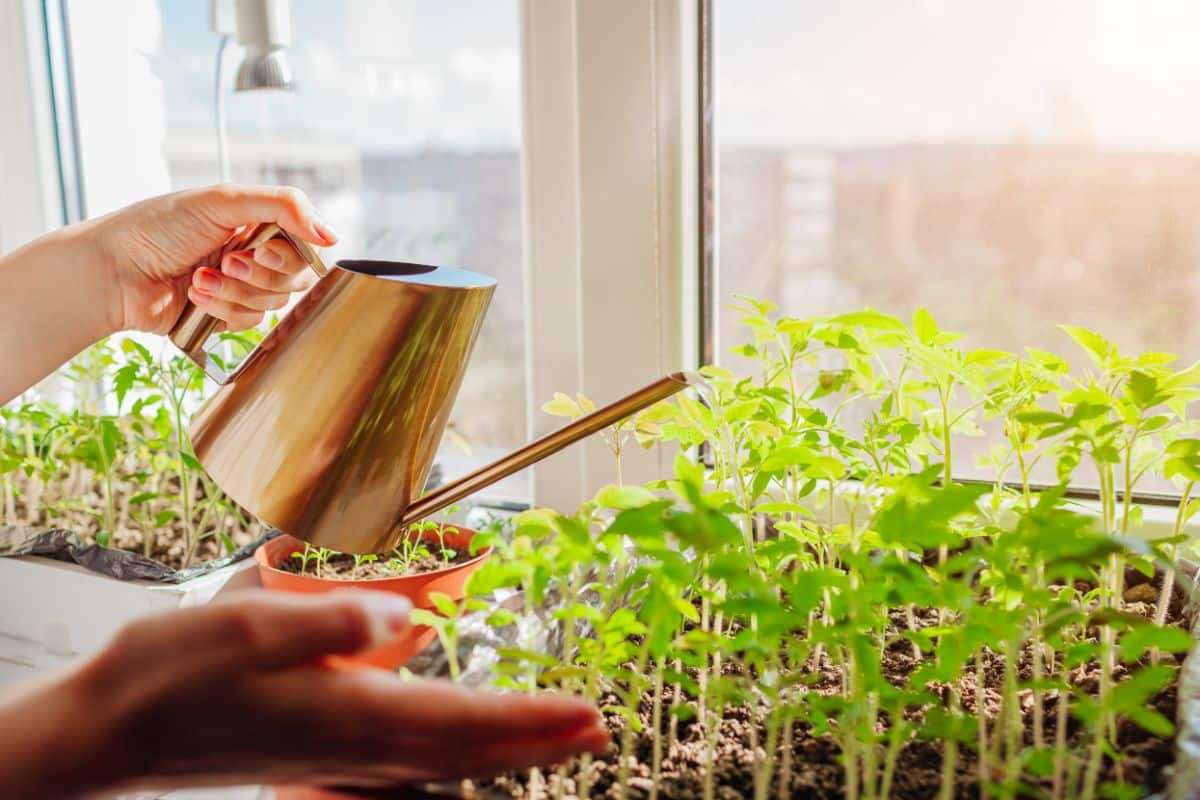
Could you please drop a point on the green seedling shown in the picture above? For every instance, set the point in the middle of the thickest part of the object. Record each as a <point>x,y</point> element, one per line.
<point>811,566</point>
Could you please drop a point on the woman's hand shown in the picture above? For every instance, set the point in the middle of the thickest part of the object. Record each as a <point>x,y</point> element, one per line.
<point>133,269</point>
<point>234,693</point>
<point>153,249</point>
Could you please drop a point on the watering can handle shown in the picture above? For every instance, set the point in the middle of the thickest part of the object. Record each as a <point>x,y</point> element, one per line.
<point>194,327</point>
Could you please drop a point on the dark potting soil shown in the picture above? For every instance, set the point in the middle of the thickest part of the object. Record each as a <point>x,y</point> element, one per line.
<point>344,567</point>
<point>816,774</point>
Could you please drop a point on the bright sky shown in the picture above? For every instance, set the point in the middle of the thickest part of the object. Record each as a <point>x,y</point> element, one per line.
<point>389,74</point>
<point>862,72</point>
<point>396,74</point>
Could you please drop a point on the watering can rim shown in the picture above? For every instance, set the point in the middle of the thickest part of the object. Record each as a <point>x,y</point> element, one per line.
<point>416,274</point>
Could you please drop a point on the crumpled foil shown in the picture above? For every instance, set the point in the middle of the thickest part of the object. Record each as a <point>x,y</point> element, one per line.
<point>65,545</point>
<point>479,644</point>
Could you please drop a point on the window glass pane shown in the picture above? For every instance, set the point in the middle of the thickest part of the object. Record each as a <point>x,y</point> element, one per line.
<point>1008,165</point>
<point>404,129</point>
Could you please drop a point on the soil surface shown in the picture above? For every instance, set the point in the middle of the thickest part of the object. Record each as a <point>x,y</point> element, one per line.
<point>168,546</point>
<point>83,514</point>
<point>1145,759</point>
<point>345,567</point>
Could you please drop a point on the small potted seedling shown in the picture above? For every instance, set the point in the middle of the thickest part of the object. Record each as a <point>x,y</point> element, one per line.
<point>430,567</point>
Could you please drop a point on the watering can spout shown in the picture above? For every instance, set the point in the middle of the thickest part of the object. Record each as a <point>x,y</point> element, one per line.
<point>548,445</point>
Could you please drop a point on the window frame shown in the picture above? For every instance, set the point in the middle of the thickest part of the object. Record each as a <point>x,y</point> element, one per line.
<point>635,159</point>
<point>34,186</point>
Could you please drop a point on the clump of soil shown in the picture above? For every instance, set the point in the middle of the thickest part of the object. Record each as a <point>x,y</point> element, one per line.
<point>346,567</point>
<point>817,774</point>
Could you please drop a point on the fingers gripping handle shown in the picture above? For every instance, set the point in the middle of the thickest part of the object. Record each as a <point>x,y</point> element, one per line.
<point>194,327</point>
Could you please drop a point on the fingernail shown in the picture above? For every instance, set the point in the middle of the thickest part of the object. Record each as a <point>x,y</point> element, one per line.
<point>325,232</point>
<point>267,257</point>
<point>208,280</point>
<point>236,267</point>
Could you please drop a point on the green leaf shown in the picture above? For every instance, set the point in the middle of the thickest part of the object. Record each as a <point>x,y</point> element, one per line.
<point>1112,790</point>
<point>421,616</point>
<point>924,326</point>
<point>1142,389</point>
<point>641,521</point>
<point>825,468</point>
<point>501,617</point>
<point>1151,721</point>
<point>444,604</point>
<point>741,410</point>
<point>123,381</point>
<point>777,509</point>
<point>1039,417</point>
<point>1136,515</point>
<point>1097,347</point>
<point>622,497</point>
<point>783,457</point>
<point>190,460</point>
<point>110,437</point>
<point>870,319</point>
<point>685,608</point>
<point>985,357</point>
<point>130,346</point>
<point>1142,638</point>
<point>562,406</point>
<point>1132,694</point>
<point>1185,377</point>
<point>1041,762</point>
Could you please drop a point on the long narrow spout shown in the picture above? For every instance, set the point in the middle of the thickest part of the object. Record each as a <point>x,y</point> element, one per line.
<point>548,445</point>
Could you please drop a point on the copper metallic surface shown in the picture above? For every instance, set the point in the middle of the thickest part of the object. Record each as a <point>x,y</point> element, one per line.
<point>548,445</point>
<point>329,427</point>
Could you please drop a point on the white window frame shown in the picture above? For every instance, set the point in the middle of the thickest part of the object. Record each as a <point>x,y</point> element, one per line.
<point>31,202</point>
<point>610,163</point>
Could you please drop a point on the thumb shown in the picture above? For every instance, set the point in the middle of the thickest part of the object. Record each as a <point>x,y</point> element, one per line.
<point>273,630</point>
<point>231,206</point>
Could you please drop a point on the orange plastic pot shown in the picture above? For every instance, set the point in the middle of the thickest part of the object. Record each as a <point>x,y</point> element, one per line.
<point>449,581</point>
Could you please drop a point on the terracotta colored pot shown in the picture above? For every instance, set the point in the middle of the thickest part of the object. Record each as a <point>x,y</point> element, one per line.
<point>449,581</point>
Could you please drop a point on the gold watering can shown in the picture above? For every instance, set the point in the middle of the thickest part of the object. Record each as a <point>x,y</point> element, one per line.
<point>327,430</point>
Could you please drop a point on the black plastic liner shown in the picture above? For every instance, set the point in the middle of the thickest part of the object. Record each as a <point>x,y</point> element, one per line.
<point>64,545</point>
